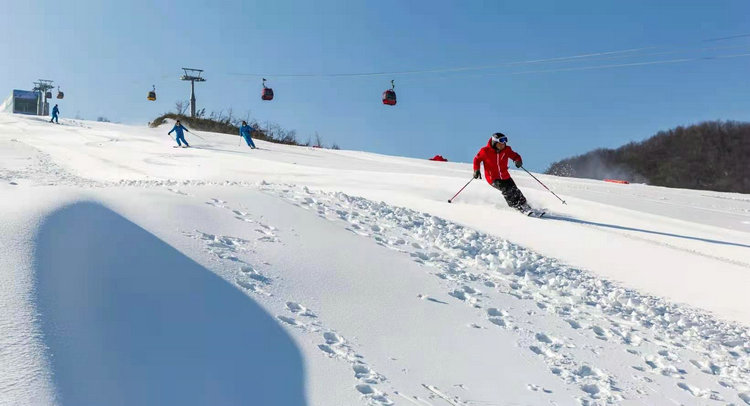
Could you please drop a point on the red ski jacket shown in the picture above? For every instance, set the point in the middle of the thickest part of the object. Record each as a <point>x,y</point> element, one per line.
<point>495,162</point>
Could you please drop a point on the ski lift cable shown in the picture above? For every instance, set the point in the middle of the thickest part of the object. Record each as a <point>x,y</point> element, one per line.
<point>615,54</point>
<point>437,70</point>
<point>678,51</point>
<point>588,67</point>
<point>726,38</point>
<point>622,65</point>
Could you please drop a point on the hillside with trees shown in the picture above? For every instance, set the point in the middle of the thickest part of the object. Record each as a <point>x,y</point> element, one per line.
<point>711,155</point>
<point>227,123</point>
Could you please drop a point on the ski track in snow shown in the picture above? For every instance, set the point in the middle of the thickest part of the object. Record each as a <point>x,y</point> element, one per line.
<point>455,401</point>
<point>227,250</point>
<point>663,339</point>
<point>42,169</point>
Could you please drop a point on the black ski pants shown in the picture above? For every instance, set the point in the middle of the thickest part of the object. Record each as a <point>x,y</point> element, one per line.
<point>511,192</point>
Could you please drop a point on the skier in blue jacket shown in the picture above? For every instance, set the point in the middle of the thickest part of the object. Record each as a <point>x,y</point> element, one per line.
<point>178,129</point>
<point>55,113</point>
<point>245,132</point>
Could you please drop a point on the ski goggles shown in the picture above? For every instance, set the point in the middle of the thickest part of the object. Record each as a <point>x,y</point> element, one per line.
<point>500,139</point>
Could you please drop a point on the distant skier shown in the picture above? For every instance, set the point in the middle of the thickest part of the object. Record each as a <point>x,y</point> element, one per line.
<point>495,157</point>
<point>178,129</point>
<point>245,132</point>
<point>55,113</point>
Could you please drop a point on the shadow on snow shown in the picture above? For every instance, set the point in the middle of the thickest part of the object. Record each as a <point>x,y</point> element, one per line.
<point>643,230</point>
<point>129,320</point>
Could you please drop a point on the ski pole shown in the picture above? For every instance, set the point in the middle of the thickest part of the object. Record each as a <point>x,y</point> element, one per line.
<point>197,135</point>
<point>540,182</point>
<point>174,139</point>
<point>454,196</point>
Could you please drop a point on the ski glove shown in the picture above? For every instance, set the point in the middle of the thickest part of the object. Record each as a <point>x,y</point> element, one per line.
<point>477,175</point>
<point>519,163</point>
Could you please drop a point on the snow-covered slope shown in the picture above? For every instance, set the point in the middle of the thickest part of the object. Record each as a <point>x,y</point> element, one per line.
<point>292,275</point>
<point>6,105</point>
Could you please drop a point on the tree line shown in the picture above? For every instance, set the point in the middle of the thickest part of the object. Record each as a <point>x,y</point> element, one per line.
<point>708,156</point>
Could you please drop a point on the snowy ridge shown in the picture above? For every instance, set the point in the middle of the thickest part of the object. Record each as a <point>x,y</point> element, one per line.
<point>661,338</point>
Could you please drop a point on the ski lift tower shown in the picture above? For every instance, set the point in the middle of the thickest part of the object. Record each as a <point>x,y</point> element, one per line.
<point>43,86</point>
<point>193,75</point>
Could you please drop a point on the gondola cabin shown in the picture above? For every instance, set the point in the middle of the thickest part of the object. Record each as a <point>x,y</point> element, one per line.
<point>60,94</point>
<point>48,95</point>
<point>267,93</point>
<point>152,94</point>
<point>389,97</point>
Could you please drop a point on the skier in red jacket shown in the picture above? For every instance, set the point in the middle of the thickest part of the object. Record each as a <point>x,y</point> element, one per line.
<point>495,157</point>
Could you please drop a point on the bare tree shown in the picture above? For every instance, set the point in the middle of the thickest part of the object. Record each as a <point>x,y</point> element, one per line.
<point>318,140</point>
<point>181,106</point>
<point>274,131</point>
<point>288,136</point>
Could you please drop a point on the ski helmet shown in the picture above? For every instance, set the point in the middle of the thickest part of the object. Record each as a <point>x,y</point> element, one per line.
<point>499,137</point>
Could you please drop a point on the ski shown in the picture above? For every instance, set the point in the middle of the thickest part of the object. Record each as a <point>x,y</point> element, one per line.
<point>525,209</point>
<point>535,213</point>
<point>442,395</point>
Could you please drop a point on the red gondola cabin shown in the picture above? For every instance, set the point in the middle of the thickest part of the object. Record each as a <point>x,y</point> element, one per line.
<point>267,92</point>
<point>389,96</point>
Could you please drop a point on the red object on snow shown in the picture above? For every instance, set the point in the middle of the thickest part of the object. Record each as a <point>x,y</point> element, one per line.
<point>624,182</point>
<point>438,158</point>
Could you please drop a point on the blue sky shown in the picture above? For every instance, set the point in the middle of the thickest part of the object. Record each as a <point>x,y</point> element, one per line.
<point>106,55</point>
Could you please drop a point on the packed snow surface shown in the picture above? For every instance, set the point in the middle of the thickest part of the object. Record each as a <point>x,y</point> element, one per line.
<point>132,272</point>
